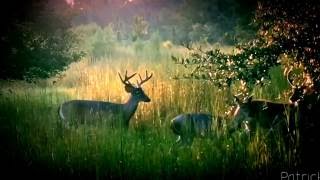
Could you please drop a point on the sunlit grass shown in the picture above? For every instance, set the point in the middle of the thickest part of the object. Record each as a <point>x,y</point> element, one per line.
<point>29,117</point>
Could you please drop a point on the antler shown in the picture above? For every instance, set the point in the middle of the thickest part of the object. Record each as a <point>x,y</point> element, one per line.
<point>290,80</point>
<point>126,79</point>
<point>297,84</point>
<point>144,80</point>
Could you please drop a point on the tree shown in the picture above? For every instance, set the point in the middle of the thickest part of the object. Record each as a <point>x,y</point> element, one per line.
<point>140,28</point>
<point>285,29</point>
<point>293,27</point>
<point>36,43</point>
<point>216,20</point>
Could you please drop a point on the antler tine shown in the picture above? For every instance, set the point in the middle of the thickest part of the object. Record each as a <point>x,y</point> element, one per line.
<point>126,78</point>
<point>121,78</point>
<point>144,80</point>
<point>140,78</point>
<point>130,76</point>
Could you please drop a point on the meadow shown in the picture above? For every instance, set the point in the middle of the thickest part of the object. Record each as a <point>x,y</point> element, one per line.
<point>36,142</point>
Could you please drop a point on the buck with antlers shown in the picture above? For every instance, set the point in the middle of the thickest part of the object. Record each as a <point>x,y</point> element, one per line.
<point>85,111</point>
<point>264,114</point>
<point>251,114</point>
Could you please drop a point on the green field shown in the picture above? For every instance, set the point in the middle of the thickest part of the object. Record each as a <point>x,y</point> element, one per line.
<point>36,141</point>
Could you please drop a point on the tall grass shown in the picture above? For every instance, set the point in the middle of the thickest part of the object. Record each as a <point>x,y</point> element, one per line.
<point>32,131</point>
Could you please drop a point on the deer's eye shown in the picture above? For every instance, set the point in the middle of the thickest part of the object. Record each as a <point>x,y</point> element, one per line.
<point>136,92</point>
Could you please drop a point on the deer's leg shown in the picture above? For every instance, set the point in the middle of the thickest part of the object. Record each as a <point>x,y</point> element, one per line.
<point>178,139</point>
<point>177,143</point>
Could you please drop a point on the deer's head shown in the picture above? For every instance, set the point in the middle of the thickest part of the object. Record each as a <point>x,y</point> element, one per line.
<point>300,90</point>
<point>136,91</point>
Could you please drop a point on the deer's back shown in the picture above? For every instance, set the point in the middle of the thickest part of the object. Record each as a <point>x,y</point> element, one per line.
<point>191,123</point>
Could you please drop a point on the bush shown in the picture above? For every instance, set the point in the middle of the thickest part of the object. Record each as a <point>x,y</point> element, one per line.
<point>32,53</point>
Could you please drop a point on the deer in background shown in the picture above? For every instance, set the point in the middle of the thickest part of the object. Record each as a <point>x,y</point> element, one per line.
<point>86,111</point>
<point>251,114</point>
<point>263,113</point>
<point>190,125</point>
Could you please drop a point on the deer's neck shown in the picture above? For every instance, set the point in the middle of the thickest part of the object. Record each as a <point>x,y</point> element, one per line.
<point>130,108</point>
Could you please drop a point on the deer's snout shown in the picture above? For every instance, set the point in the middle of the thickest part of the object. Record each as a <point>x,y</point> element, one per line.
<point>146,99</point>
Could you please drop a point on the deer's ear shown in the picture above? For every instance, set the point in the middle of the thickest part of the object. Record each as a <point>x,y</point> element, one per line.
<point>250,98</point>
<point>236,99</point>
<point>128,88</point>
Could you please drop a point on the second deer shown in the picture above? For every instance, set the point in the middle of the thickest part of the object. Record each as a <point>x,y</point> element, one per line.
<point>190,125</point>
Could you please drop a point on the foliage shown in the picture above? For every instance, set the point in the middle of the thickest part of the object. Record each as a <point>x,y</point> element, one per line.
<point>213,21</point>
<point>140,28</point>
<point>103,42</point>
<point>153,45</point>
<point>288,35</point>
<point>282,32</point>
<point>294,28</point>
<point>250,66</point>
<point>39,47</point>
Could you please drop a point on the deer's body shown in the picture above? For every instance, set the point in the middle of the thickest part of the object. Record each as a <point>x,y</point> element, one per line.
<point>190,125</point>
<point>115,114</point>
<point>88,111</point>
<point>264,114</point>
<point>269,114</point>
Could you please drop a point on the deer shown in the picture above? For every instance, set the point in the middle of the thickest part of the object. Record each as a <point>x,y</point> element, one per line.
<point>269,115</point>
<point>261,113</point>
<point>187,126</point>
<point>274,118</point>
<point>116,114</point>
